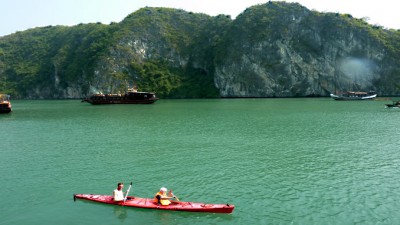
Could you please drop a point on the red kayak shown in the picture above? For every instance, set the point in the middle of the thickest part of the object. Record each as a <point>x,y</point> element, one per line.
<point>149,203</point>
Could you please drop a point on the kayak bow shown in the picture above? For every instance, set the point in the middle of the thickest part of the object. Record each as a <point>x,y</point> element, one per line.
<point>149,203</point>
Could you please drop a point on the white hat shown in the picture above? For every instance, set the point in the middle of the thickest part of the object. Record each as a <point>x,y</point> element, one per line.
<point>163,189</point>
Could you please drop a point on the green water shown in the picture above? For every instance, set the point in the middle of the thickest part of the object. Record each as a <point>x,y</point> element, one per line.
<point>280,161</point>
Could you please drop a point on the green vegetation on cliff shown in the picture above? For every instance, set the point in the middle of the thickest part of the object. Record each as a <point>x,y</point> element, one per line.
<point>43,59</point>
<point>180,54</point>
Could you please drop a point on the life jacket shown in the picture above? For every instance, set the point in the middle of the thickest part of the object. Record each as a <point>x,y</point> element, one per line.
<point>162,201</point>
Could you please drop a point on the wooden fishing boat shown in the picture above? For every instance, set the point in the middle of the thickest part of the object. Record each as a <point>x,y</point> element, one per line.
<point>132,96</point>
<point>354,95</point>
<point>5,104</point>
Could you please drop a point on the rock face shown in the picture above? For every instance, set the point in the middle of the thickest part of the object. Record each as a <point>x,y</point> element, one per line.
<point>162,50</point>
<point>272,50</point>
<point>296,52</point>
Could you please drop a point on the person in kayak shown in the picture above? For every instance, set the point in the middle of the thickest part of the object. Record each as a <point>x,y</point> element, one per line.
<point>118,194</point>
<point>163,199</point>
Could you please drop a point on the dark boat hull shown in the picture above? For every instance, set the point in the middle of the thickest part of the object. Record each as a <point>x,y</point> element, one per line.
<point>395,105</point>
<point>392,106</point>
<point>111,101</point>
<point>5,111</point>
<point>5,108</point>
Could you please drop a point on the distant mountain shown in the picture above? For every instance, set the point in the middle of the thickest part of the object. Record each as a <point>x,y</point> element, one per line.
<point>275,49</point>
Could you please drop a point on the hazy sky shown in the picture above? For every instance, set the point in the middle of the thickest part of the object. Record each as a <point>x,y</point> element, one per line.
<point>19,15</point>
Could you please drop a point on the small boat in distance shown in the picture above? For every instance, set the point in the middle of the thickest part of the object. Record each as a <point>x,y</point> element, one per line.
<point>5,104</point>
<point>132,96</point>
<point>354,95</point>
<point>148,203</point>
<point>394,105</point>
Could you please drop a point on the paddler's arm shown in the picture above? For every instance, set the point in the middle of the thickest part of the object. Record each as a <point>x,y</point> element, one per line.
<point>172,195</point>
<point>165,198</point>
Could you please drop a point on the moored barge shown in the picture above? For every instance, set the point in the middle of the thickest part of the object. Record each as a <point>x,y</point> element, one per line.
<point>132,96</point>
<point>5,104</point>
<point>354,95</point>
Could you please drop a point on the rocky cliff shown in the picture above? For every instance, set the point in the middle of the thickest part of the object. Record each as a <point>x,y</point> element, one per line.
<point>272,50</point>
<point>286,50</point>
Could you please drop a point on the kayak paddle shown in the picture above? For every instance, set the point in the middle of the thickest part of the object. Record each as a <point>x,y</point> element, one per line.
<point>127,192</point>
<point>176,198</point>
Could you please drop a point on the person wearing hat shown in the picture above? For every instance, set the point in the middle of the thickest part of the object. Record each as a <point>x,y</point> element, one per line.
<point>162,198</point>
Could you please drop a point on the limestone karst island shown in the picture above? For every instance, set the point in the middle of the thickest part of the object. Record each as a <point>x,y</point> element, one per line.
<point>275,49</point>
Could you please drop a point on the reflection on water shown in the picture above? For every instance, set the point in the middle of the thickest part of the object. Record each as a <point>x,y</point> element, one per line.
<point>121,213</point>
